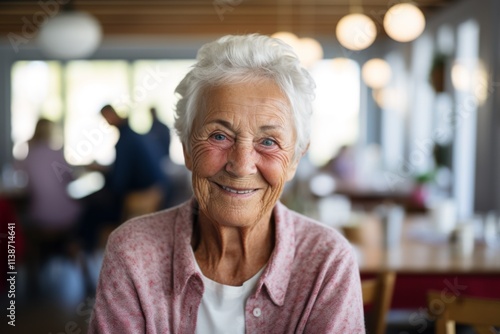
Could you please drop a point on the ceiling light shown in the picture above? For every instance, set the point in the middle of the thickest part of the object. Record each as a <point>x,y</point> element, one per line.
<point>356,31</point>
<point>404,22</point>
<point>376,73</point>
<point>307,49</point>
<point>390,98</point>
<point>287,37</point>
<point>469,75</point>
<point>70,35</point>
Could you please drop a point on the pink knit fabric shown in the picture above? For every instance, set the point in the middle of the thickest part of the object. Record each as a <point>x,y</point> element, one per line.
<point>149,282</point>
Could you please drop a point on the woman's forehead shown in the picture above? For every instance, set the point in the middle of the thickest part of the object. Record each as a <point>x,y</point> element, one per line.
<point>267,115</point>
<point>255,91</point>
<point>260,96</point>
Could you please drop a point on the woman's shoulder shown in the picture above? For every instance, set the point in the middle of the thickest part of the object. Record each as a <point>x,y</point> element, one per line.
<point>318,250</point>
<point>311,234</point>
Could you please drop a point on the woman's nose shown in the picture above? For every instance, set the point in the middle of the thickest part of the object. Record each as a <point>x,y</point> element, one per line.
<point>241,160</point>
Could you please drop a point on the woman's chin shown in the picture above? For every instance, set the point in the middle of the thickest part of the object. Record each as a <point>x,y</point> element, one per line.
<point>232,217</point>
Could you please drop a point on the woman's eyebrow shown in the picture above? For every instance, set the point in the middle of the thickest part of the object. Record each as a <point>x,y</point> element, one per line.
<point>222,122</point>
<point>228,125</point>
<point>271,127</point>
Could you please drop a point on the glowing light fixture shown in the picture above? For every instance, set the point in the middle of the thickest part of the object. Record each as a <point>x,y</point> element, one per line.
<point>356,31</point>
<point>310,51</point>
<point>307,49</point>
<point>390,98</point>
<point>70,35</point>
<point>469,75</point>
<point>461,76</point>
<point>376,73</point>
<point>404,22</point>
<point>287,37</point>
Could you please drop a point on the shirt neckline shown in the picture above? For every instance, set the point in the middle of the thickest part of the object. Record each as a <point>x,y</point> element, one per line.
<point>231,289</point>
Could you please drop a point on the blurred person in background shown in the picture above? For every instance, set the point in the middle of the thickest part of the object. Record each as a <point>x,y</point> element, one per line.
<point>343,165</point>
<point>52,215</point>
<point>134,183</point>
<point>50,208</point>
<point>233,259</point>
<point>159,138</point>
<point>160,134</point>
<point>137,166</point>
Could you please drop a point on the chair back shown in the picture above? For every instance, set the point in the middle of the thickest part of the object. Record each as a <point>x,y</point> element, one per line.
<point>378,293</point>
<point>481,314</point>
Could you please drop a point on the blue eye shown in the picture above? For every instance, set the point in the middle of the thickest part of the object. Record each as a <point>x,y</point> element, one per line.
<point>268,142</point>
<point>219,137</point>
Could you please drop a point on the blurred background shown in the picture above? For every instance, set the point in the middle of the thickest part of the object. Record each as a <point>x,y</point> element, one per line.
<point>404,153</point>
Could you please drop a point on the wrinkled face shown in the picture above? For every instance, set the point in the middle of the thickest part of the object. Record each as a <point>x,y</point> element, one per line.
<point>242,152</point>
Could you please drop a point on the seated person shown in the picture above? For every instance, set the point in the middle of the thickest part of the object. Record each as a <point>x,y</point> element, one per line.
<point>134,184</point>
<point>160,134</point>
<point>52,215</point>
<point>50,207</point>
<point>234,259</point>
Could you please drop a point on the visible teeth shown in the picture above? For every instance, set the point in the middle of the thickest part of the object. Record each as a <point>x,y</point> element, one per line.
<point>237,191</point>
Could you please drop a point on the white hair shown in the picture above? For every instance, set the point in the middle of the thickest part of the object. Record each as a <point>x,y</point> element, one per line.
<point>237,59</point>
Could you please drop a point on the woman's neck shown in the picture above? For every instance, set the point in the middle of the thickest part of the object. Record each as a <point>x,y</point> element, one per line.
<point>231,255</point>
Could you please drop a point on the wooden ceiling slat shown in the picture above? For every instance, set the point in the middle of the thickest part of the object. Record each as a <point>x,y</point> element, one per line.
<point>120,17</point>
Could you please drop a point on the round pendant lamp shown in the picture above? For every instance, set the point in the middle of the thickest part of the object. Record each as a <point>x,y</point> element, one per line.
<point>404,22</point>
<point>356,31</point>
<point>70,35</point>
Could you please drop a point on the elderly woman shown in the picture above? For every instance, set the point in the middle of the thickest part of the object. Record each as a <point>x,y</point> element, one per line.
<point>234,259</point>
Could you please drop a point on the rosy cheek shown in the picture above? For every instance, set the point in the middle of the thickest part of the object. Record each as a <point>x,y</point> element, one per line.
<point>208,160</point>
<point>273,169</point>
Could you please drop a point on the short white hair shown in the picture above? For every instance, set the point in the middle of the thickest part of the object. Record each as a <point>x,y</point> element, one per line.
<point>237,59</point>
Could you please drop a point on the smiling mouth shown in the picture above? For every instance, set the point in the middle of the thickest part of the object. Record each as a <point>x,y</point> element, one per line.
<point>236,191</point>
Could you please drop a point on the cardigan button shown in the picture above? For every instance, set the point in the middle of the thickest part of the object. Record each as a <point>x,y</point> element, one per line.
<point>257,312</point>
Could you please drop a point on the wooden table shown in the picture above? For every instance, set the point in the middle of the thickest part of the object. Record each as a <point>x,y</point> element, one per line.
<point>416,255</point>
<point>423,264</point>
<point>368,198</point>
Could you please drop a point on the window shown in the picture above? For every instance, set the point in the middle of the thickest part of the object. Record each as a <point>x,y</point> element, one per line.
<point>91,85</point>
<point>336,108</point>
<point>36,92</point>
<point>73,94</point>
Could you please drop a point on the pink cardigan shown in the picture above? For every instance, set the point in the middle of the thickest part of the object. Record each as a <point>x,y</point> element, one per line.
<point>149,282</point>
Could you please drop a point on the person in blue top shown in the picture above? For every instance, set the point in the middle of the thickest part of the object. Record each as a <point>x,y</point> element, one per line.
<point>159,133</point>
<point>137,163</point>
<point>135,173</point>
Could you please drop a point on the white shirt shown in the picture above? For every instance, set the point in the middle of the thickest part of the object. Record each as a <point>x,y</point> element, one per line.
<point>222,308</point>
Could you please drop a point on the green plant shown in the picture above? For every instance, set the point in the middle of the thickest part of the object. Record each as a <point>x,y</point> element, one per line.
<point>437,74</point>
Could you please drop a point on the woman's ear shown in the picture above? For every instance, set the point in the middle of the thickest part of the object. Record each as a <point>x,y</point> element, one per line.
<point>187,158</point>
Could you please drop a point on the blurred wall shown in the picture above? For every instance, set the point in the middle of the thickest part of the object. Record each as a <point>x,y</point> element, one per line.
<point>486,177</point>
